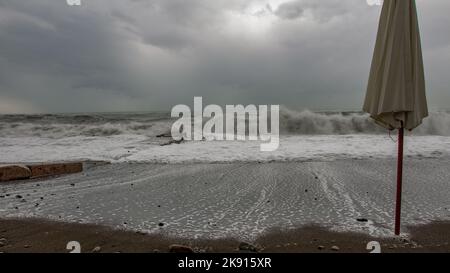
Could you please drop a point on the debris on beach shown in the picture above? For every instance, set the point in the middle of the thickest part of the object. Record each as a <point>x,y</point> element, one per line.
<point>180,249</point>
<point>247,247</point>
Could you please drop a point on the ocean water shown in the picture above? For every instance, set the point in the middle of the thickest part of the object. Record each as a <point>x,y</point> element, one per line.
<point>136,137</point>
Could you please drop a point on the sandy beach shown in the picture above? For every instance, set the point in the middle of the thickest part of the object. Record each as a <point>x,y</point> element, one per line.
<point>31,236</point>
<point>279,206</point>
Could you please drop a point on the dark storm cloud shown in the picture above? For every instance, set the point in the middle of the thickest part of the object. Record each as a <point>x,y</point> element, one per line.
<point>151,54</point>
<point>290,10</point>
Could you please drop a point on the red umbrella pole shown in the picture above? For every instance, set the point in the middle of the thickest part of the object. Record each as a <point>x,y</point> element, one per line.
<point>398,206</point>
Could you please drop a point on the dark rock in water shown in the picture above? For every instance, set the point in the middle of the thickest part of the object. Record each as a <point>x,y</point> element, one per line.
<point>363,220</point>
<point>72,184</point>
<point>161,224</point>
<point>19,196</point>
<point>173,142</point>
<point>247,247</point>
<point>164,135</point>
<point>180,249</point>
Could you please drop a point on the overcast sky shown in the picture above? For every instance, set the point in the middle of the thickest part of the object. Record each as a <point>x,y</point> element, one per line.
<point>144,55</point>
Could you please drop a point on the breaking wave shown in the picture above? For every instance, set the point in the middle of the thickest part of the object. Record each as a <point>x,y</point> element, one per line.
<point>153,124</point>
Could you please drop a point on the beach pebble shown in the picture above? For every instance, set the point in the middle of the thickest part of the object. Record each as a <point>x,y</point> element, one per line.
<point>335,248</point>
<point>27,246</point>
<point>3,242</point>
<point>19,196</point>
<point>247,247</point>
<point>161,224</point>
<point>363,220</point>
<point>320,247</point>
<point>96,249</point>
<point>180,249</point>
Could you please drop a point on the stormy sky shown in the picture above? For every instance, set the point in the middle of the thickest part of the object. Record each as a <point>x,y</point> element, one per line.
<point>144,55</point>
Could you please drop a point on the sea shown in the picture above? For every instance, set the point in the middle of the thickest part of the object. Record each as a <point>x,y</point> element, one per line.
<point>145,137</point>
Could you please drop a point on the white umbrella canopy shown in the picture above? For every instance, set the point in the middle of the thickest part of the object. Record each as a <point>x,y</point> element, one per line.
<point>396,89</point>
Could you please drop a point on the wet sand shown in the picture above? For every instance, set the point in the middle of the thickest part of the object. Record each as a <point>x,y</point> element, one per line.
<point>244,201</point>
<point>30,236</point>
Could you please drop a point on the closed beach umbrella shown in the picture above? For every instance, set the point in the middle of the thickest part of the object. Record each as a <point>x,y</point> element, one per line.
<point>396,96</point>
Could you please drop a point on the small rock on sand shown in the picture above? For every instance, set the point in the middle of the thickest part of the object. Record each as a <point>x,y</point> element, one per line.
<point>320,247</point>
<point>180,249</point>
<point>3,242</point>
<point>335,248</point>
<point>96,249</point>
<point>247,247</point>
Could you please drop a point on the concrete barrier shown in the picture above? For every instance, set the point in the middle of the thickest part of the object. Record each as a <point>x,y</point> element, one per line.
<point>14,172</point>
<point>43,170</point>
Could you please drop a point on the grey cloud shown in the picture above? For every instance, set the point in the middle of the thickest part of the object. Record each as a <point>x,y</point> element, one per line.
<point>152,54</point>
<point>290,10</point>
